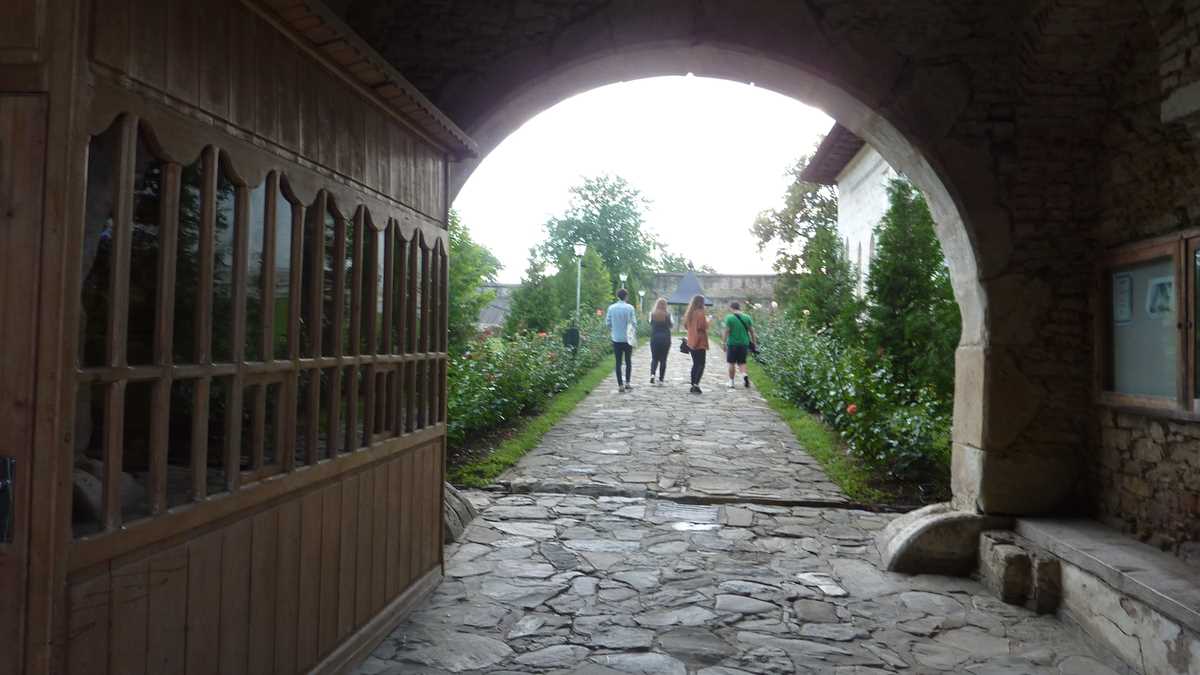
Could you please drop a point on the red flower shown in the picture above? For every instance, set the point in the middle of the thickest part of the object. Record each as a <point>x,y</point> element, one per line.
<point>851,409</point>
<point>541,333</point>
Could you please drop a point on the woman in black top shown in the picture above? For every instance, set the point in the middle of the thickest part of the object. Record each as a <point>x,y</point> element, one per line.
<point>660,339</point>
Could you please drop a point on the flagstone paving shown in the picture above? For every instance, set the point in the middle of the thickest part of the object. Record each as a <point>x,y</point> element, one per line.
<point>596,566</point>
<point>661,441</point>
<point>617,585</point>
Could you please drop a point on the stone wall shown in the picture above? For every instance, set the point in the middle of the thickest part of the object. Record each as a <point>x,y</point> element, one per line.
<point>1144,475</point>
<point>1147,480</point>
<point>720,288</point>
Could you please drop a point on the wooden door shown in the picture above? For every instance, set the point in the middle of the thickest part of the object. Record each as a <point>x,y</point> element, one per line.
<point>22,161</point>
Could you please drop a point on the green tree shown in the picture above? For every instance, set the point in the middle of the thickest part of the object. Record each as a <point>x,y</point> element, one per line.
<point>535,305</point>
<point>595,287</point>
<point>471,266</point>
<point>608,214</point>
<point>806,207</point>
<point>824,285</point>
<point>912,317</point>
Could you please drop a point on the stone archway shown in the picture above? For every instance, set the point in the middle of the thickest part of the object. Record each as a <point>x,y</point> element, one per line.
<point>987,107</point>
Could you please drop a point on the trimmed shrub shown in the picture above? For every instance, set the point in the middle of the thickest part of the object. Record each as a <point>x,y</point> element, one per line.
<point>897,431</point>
<point>497,380</point>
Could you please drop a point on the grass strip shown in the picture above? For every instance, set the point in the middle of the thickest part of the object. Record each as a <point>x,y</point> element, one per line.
<point>819,441</point>
<point>529,432</point>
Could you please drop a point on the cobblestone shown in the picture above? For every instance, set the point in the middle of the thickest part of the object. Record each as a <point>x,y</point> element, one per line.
<point>611,584</point>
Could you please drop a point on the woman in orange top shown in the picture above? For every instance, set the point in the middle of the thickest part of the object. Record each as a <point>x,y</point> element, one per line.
<point>696,323</point>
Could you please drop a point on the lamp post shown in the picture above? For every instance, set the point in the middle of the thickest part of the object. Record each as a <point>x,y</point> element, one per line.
<point>623,276</point>
<point>580,249</point>
<point>641,299</point>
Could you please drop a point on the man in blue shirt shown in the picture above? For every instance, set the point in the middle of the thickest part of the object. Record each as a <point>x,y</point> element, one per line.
<point>621,319</point>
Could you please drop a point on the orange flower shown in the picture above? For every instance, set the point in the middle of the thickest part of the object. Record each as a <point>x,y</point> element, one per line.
<point>851,409</point>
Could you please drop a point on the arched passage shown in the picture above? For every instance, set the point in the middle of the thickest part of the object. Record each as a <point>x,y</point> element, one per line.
<point>998,111</point>
<point>957,183</point>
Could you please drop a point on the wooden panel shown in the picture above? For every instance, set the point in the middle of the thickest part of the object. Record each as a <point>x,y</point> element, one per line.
<point>366,554</point>
<point>288,589</point>
<point>382,551</point>
<point>130,614</point>
<point>348,551</point>
<point>183,23</point>
<point>22,162</point>
<point>89,606</point>
<point>244,74</point>
<point>331,520</point>
<point>213,61</point>
<point>110,33</point>
<point>166,639</point>
<point>21,32</point>
<point>310,580</point>
<point>149,34</point>
<point>235,596</point>
<point>263,589</point>
<point>204,603</point>
<point>409,522</point>
<point>395,542</point>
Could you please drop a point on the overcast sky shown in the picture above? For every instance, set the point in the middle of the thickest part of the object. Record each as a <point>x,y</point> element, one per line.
<point>709,154</point>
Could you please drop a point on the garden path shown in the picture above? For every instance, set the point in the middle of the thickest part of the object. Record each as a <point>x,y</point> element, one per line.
<point>661,441</point>
<point>602,571</point>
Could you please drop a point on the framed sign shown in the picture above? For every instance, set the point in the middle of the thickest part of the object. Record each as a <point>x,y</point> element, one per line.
<point>1160,297</point>
<point>1122,311</point>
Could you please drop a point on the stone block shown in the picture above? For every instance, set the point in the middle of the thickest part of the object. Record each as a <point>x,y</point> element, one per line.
<point>1005,567</point>
<point>936,539</point>
<point>1046,585</point>
<point>458,512</point>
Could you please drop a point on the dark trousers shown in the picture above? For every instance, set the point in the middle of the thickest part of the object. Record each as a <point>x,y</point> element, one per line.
<point>623,348</point>
<point>658,357</point>
<point>698,358</point>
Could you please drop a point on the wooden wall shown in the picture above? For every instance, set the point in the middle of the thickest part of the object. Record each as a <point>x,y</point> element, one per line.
<point>274,591</point>
<point>295,571</point>
<point>224,58</point>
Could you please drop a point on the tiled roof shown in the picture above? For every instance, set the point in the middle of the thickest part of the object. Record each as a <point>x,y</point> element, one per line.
<point>835,152</point>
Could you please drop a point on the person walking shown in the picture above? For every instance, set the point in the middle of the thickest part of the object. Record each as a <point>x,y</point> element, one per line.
<point>696,324</point>
<point>622,320</point>
<point>739,335</point>
<point>660,340</point>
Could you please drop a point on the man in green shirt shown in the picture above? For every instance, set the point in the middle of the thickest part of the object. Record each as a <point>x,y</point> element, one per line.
<point>739,335</point>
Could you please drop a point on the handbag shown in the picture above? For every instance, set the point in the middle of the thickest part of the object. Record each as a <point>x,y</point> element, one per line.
<point>753,349</point>
<point>631,334</point>
<point>683,346</point>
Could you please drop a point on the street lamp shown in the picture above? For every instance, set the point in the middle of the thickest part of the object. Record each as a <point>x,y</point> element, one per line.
<point>641,298</point>
<point>623,276</point>
<point>580,250</point>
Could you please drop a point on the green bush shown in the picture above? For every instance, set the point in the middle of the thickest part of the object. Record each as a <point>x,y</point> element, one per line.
<point>494,381</point>
<point>895,430</point>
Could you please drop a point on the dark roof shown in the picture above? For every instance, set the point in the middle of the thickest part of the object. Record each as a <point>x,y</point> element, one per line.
<point>689,286</point>
<point>835,152</point>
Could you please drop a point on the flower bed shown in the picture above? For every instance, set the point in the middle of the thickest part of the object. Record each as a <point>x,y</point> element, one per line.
<point>497,380</point>
<point>902,434</point>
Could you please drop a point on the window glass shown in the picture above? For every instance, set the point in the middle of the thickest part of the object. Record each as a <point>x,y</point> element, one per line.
<point>97,245</point>
<point>281,295</point>
<point>148,190</point>
<point>1145,338</point>
<point>223,238</point>
<point>255,272</point>
<point>187,262</point>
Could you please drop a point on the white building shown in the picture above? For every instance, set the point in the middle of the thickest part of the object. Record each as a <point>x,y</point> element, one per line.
<point>861,176</point>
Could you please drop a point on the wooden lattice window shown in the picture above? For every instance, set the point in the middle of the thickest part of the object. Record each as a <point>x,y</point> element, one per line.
<point>229,333</point>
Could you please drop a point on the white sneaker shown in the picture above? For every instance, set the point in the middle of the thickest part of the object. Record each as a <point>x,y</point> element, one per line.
<point>732,385</point>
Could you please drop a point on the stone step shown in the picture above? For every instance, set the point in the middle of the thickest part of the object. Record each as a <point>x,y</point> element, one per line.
<point>1019,572</point>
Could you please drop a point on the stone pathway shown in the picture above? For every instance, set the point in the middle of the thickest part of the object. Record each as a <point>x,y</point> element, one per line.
<point>597,568</point>
<point>661,441</point>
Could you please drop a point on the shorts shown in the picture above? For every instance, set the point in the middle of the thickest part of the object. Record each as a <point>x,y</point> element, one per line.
<point>736,354</point>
